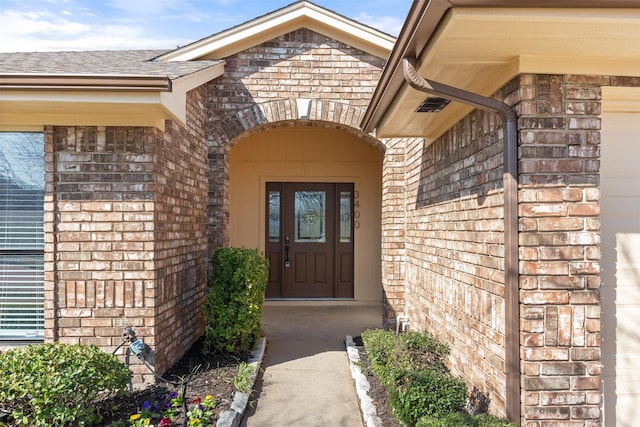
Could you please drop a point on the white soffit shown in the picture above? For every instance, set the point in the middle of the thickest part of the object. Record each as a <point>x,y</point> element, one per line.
<point>280,22</point>
<point>480,50</point>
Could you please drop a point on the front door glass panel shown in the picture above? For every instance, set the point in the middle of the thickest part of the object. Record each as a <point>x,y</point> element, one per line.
<point>345,216</point>
<point>274,216</point>
<point>310,216</point>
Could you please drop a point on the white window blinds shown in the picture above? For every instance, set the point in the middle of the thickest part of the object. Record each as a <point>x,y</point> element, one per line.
<point>21,235</point>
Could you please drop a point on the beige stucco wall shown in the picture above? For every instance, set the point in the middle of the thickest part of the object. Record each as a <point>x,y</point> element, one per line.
<point>309,154</point>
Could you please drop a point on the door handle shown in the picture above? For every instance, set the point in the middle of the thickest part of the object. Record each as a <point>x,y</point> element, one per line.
<point>287,263</point>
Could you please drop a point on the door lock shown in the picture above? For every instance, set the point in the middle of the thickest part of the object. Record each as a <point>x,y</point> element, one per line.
<point>287,263</point>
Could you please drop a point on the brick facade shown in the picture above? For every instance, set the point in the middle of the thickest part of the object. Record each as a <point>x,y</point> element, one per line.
<point>125,234</point>
<point>454,247</point>
<point>262,84</point>
<point>132,213</point>
<point>560,247</point>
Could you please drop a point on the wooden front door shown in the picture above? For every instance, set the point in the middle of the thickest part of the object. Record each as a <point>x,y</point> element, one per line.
<point>309,240</point>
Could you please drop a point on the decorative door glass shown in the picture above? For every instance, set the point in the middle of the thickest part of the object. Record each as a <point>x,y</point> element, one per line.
<point>310,216</point>
<point>345,216</point>
<point>274,216</point>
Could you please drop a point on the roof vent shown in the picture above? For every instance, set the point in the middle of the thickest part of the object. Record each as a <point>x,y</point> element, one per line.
<point>432,105</point>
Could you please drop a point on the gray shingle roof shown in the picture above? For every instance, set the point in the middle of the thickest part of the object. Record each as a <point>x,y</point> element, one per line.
<point>94,63</point>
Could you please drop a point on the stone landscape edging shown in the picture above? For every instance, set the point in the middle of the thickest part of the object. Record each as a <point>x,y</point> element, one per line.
<point>232,417</point>
<point>368,409</point>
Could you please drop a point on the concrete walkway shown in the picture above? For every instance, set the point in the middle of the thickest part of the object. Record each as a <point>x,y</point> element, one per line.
<point>306,380</point>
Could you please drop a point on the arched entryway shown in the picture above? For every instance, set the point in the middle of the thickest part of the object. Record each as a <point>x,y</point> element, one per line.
<point>337,253</point>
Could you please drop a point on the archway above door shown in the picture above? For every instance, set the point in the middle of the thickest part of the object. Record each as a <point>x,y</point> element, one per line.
<point>289,112</point>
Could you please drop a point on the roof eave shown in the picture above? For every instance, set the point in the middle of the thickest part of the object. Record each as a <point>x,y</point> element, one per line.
<point>32,101</point>
<point>421,24</point>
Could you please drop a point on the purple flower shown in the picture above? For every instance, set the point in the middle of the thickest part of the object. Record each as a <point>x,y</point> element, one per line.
<point>146,405</point>
<point>173,395</point>
<point>166,405</point>
<point>200,407</point>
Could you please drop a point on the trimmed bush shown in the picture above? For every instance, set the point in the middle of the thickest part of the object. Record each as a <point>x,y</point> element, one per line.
<point>233,307</point>
<point>463,419</point>
<point>427,392</point>
<point>57,384</point>
<point>422,392</point>
<point>382,352</point>
<point>453,419</point>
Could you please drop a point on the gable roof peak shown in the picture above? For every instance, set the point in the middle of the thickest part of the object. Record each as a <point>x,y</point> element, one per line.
<point>299,14</point>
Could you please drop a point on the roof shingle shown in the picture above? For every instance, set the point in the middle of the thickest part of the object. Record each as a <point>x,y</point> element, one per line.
<point>99,63</point>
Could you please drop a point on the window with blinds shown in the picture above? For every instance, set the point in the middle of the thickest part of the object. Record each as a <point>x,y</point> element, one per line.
<point>21,236</point>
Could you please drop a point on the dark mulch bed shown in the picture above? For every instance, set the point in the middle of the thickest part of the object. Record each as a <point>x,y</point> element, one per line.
<point>204,374</point>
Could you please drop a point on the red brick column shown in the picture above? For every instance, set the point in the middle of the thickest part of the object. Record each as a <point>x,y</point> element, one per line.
<point>560,249</point>
<point>393,227</point>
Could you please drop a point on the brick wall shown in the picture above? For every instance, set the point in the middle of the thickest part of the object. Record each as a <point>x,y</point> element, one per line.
<point>560,248</point>
<point>454,248</point>
<point>261,84</point>
<point>181,261</point>
<point>393,227</point>
<point>125,235</point>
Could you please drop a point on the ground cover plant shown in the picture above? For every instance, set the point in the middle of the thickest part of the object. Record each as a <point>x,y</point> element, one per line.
<point>421,390</point>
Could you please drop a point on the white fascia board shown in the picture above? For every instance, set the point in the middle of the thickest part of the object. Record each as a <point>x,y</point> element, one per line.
<point>79,96</point>
<point>175,102</point>
<point>284,18</point>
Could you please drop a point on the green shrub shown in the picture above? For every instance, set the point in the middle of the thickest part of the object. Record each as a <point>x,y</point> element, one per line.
<point>57,384</point>
<point>464,419</point>
<point>234,301</point>
<point>424,350</point>
<point>427,392</point>
<point>486,420</point>
<point>448,420</point>
<point>382,352</point>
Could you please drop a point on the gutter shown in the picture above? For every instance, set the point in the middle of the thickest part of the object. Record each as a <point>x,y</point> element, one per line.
<point>86,82</point>
<point>510,182</point>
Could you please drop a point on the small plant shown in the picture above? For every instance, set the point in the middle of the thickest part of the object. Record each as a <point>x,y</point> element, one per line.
<point>202,411</point>
<point>199,412</point>
<point>57,384</point>
<point>427,392</point>
<point>242,379</point>
<point>234,301</point>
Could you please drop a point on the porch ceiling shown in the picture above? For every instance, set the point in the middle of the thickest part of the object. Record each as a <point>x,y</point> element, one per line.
<point>480,49</point>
